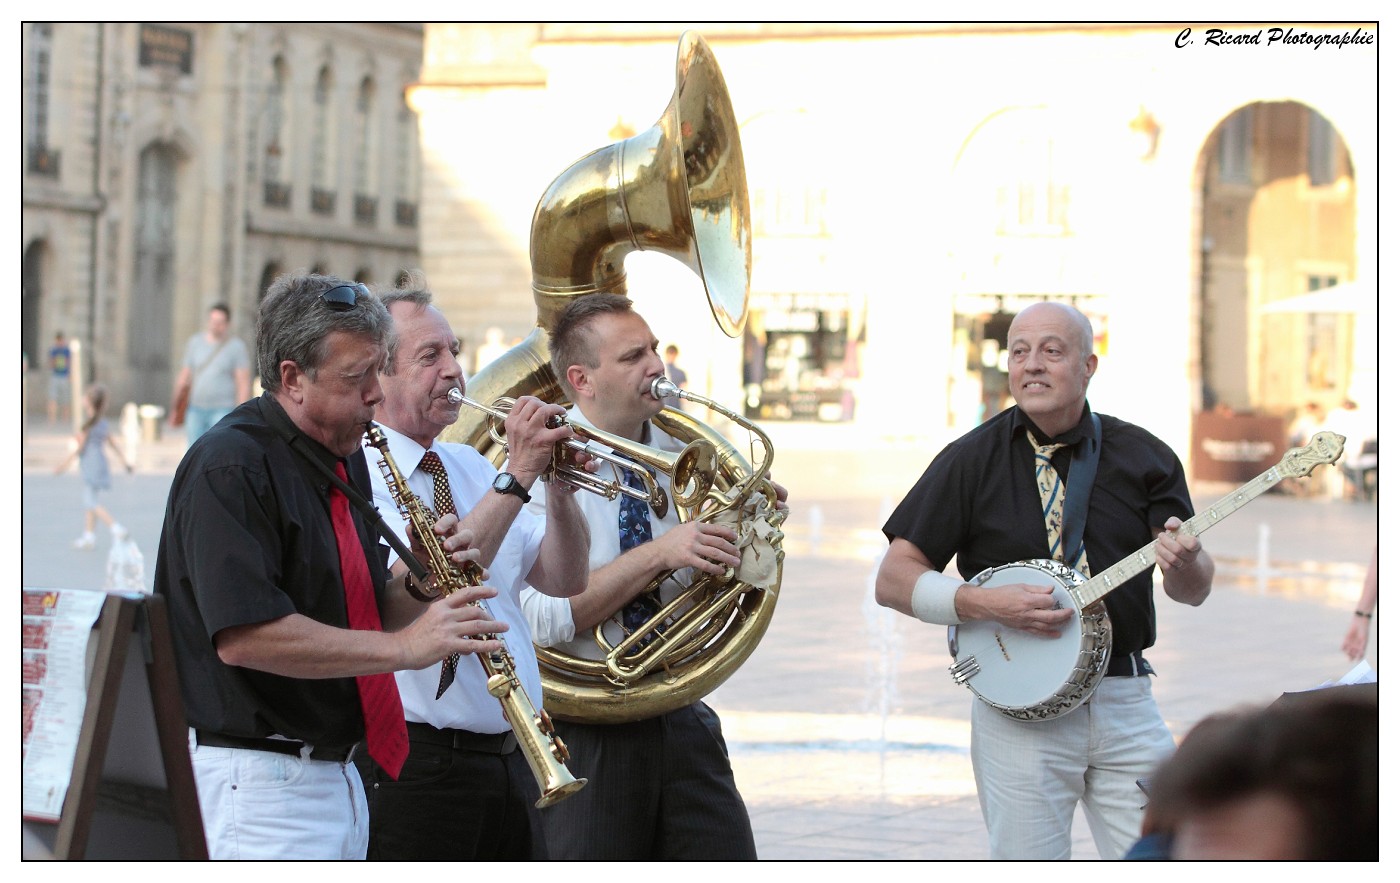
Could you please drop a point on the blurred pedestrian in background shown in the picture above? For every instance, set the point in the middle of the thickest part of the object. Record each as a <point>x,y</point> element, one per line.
<point>60,362</point>
<point>92,463</point>
<point>215,375</point>
<point>676,374</point>
<point>1359,631</point>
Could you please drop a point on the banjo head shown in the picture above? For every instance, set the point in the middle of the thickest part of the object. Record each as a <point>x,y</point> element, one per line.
<point>1031,676</point>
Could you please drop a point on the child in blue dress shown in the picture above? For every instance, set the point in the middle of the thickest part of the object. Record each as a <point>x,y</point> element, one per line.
<point>92,463</point>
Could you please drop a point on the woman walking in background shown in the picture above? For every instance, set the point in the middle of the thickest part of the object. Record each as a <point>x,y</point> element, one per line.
<point>92,463</point>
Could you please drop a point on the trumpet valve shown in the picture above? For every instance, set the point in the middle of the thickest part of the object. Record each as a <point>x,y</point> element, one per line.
<point>658,502</point>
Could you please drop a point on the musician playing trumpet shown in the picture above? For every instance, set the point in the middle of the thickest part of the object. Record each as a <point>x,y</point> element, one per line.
<point>466,791</point>
<point>984,499</point>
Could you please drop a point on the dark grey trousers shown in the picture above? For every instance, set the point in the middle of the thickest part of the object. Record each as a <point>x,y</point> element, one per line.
<point>657,789</point>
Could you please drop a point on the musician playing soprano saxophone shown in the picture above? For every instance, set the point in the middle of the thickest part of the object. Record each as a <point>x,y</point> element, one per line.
<point>979,500</point>
<point>283,626</point>
<point>466,790</point>
<point>660,788</point>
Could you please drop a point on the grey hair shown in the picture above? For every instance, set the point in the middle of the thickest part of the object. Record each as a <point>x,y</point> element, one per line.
<point>293,326</point>
<point>413,289</point>
<point>572,341</point>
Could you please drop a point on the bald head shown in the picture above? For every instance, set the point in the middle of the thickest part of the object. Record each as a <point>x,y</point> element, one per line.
<point>1053,311</point>
<point>1051,348</point>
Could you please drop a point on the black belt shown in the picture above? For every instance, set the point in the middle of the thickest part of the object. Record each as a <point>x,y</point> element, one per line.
<point>1130,666</point>
<point>463,740</point>
<point>277,746</point>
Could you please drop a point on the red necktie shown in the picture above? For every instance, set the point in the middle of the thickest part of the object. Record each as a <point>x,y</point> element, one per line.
<point>386,734</point>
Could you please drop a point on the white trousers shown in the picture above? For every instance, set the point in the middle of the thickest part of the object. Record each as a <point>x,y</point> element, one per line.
<point>1031,774</point>
<point>265,806</point>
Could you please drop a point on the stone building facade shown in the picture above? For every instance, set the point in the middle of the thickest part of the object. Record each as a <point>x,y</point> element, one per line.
<point>912,186</point>
<point>171,166</point>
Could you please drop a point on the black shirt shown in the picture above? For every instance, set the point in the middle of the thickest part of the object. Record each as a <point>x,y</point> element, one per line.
<point>978,500</point>
<point>248,539</point>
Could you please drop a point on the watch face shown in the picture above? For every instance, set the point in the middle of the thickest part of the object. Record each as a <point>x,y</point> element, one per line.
<point>505,483</point>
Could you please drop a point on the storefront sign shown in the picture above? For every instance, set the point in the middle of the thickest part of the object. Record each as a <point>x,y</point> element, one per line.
<point>1236,447</point>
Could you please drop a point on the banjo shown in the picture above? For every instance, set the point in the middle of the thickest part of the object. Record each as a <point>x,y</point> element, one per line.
<point>1029,677</point>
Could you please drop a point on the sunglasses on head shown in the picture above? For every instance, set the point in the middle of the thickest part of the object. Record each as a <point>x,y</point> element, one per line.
<point>342,297</point>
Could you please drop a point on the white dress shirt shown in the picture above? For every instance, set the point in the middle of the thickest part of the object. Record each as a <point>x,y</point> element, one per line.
<point>466,705</point>
<point>551,619</point>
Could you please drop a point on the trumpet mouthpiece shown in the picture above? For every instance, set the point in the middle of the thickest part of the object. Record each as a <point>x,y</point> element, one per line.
<point>662,388</point>
<point>454,395</point>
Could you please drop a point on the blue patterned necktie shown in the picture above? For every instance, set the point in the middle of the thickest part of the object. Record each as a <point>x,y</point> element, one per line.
<point>633,529</point>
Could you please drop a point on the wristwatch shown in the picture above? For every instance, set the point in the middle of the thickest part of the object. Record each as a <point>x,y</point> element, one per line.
<point>505,483</point>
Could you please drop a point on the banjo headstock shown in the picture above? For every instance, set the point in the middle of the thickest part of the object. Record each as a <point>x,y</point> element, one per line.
<point>1325,447</point>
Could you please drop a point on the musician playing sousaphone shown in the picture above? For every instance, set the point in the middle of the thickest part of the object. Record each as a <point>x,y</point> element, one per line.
<point>661,788</point>
<point>1014,489</point>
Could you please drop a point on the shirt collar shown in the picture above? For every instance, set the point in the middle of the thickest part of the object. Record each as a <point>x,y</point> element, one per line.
<point>406,452</point>
<point>1080,431</point>
<point>282,423</point>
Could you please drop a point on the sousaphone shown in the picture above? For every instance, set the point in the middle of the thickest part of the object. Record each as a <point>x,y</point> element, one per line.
<point>677,188</point>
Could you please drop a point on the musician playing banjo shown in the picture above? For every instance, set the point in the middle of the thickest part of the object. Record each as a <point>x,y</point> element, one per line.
<point>1006,492</point>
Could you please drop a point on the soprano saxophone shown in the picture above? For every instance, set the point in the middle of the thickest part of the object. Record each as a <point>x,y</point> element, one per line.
<point>544,750</point>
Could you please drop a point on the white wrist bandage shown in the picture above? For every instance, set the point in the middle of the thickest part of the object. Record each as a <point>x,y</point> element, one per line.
<point>933,598</point>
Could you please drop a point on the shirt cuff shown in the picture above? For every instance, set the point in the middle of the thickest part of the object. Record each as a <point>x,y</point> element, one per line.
<point>933,598</point>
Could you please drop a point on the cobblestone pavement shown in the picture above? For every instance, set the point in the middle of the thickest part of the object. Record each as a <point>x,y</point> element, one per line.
<point>849,740</point>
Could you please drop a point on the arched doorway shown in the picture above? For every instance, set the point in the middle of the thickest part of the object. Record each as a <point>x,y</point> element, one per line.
<point>1278,219</point>
<point>31,307</point>
<point>150,314</point>
<point>270,272</point>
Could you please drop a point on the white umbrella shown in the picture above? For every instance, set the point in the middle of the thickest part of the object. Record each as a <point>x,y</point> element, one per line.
<point>1348,297</point>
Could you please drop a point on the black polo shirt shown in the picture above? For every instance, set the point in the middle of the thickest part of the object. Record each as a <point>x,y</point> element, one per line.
<point>247,539</point>
<point>978,500</point>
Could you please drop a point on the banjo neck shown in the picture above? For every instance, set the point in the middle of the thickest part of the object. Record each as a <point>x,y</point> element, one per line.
<point>1325,447</point>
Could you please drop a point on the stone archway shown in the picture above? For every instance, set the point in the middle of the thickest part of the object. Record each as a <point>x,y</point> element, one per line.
<point>1278,219</point>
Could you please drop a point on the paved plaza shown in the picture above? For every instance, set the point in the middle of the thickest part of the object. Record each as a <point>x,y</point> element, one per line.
<point>849,739</point>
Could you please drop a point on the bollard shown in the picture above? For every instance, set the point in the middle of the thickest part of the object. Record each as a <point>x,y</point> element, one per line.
<point>814,529</point>
<point>131,431</point>
<point>151,415</point>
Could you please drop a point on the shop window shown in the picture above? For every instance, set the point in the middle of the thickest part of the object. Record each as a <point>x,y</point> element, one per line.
<point>1322,150</point>
<point>1235,149</point>
<point>804,362</point>
<point>1324,365</point>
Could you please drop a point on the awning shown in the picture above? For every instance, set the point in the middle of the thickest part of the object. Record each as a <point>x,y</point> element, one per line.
<point>1348,297</point>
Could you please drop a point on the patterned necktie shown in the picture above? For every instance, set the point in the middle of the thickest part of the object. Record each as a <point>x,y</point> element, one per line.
<point>633,529</point>
<point>443,505</point>
<point>386,734</point>
<point>1052,501</point>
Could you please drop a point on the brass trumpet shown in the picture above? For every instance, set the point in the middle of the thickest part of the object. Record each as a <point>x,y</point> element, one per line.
<point>692,470</point>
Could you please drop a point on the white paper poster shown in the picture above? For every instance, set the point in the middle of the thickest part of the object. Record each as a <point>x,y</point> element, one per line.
<point>57,627</point>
